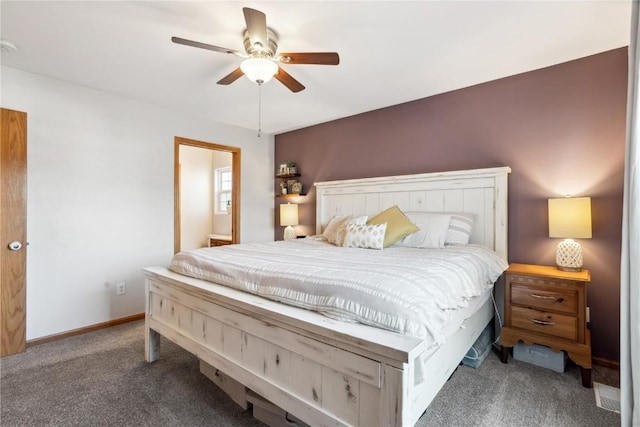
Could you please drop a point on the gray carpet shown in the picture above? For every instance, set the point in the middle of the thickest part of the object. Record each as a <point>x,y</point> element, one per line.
<point>101,379</point>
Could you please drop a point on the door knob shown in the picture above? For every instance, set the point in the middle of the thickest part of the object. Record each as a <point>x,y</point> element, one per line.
<point>15,245</point>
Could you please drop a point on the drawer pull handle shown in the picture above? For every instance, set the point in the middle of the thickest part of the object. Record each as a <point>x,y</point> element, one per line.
<point>547,297</point>
<point>542,322</point>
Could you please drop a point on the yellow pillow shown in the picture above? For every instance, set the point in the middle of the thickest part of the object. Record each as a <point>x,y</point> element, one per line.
<point>398,225</point>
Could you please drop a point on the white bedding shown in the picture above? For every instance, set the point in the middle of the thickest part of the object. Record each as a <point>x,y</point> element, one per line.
<point>405,290</point>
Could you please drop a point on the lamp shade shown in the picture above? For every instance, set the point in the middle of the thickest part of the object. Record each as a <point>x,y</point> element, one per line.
<point>258,70</point>
<point>289,214</point>
<point>570,217</point>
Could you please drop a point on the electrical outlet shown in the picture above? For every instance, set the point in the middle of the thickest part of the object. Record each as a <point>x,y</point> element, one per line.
<point>588,315</point>
<point>121,288</point>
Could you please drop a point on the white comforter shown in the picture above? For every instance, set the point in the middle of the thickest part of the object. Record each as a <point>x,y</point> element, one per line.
<point>405,290</point>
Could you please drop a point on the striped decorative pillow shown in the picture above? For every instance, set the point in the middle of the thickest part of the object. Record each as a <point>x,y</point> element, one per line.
<point>460,228</point>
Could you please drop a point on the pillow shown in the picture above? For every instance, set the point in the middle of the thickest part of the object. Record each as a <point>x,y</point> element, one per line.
<point>460,228</point>
<point>333,225</point>
<point>398,225</point>
<point>365,236</point>
<point>434,227</point>
<point>337,236</point>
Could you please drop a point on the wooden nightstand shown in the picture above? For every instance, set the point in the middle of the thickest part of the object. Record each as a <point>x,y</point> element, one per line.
<point>547,306</point>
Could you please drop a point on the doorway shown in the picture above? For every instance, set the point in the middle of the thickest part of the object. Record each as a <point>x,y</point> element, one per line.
<point>198,210</point>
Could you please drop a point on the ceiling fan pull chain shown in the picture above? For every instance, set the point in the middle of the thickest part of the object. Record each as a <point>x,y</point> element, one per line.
<point>259,109</point>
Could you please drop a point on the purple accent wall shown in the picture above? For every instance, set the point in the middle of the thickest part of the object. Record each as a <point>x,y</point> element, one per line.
<point>561,129</point>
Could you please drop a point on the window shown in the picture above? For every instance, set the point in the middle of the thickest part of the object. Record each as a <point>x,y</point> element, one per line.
<point>223,187</point>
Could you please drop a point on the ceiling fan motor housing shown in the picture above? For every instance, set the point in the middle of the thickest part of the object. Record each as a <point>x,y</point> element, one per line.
<point>267,51</point>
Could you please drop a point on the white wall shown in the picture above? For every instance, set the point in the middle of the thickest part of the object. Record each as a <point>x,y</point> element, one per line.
<point>196,196</point>
<point>100,196</point>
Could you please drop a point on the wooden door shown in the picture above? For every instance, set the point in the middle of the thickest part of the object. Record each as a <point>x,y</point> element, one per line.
<point>13,231</point>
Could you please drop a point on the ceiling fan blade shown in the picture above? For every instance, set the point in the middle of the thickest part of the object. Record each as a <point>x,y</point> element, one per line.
<point>200,45</point>
<point>256,26</point>
<point>231,77</point>
<point>320,58</point>
<point>285,78</point>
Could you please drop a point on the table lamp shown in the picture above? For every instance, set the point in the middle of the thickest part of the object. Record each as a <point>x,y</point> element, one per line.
<point>570,218</point>
<point>289,218</point>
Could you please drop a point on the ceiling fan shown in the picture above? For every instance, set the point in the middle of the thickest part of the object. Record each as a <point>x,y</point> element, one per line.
<point>261,63</point>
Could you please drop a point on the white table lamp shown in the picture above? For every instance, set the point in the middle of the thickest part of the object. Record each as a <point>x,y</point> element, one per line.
<point>289,218</point>
<point>570,218</point>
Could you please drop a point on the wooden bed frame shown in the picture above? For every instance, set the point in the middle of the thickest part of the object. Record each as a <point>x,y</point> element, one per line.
<point>323,371</point>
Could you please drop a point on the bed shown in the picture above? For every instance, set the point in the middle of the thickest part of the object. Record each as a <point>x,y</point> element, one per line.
<point>321,370</point>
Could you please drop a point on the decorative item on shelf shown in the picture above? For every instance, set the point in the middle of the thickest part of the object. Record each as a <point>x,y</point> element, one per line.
<point>229,206</point>
<point>290,183</point>
<point>289,218</point>
<point>570,218</point>
<point>296,188</point>
<point>283,187</point>
<point>287,170</point>
<point>291,168</point>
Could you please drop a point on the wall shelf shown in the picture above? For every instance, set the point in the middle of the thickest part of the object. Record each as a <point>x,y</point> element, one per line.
<point>289,183</point>
<point>290,195</point>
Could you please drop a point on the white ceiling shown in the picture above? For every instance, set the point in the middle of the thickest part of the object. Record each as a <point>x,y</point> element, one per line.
<point>390,52</point>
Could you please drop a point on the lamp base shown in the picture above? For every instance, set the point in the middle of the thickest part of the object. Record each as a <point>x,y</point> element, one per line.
<point>289,233</point>
<point>569,255</point>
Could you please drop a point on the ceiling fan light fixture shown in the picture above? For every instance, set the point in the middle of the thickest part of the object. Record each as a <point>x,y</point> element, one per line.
<point>259,70</point>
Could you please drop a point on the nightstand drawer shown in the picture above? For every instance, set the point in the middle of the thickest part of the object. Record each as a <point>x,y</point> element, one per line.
<point>556,299</point>
<point>546,323</point>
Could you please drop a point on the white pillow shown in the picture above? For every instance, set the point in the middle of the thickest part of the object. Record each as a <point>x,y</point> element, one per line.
<point>460,228</point>
<point>365,236</point>
<point>336,237</point>
<point>433,226</point>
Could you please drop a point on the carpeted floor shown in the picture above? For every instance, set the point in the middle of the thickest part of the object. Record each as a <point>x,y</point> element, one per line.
<point>101,379</point>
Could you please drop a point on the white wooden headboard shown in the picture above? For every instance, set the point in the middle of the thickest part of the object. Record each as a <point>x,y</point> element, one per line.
<point>479,191</point>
